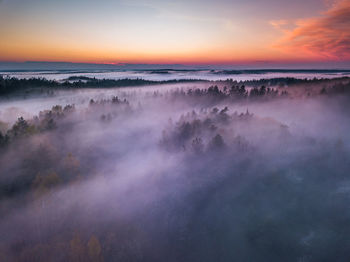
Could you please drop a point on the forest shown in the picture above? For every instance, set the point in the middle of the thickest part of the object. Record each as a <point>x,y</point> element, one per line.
<point>10,85</point>
<point>175,171</point>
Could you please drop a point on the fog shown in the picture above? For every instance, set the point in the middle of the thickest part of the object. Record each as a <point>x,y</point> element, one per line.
<point>180,74</point>
<point>162,173</point>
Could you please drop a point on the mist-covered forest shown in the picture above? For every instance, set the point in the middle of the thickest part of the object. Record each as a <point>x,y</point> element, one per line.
<point>175,171</point>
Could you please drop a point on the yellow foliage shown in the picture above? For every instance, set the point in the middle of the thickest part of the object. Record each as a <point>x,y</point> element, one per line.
<point>77,249</point>
<point>94,250</point>
<point>42,184</point>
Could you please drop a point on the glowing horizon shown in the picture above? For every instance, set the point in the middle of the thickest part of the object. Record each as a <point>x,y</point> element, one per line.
<point>165,32</point>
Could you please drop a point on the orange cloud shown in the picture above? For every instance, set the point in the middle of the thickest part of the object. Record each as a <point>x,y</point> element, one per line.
<point>327,36</point>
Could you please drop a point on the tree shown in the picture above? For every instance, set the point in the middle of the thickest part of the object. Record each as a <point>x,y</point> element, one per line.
<point>217,143</point>
<point>77,249</point>
<point>197,145</point>
<point>20,128</point>
<point>94,250</point>
<point>262,91</point>
<point>3,139</point>
<point>44,183</point>
<point>72,166</point>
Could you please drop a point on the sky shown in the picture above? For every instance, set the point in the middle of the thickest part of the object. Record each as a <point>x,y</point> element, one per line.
<point>182,31</point>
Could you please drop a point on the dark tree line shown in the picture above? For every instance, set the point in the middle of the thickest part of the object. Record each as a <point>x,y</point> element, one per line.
<point>214,94</point>
<point>49,119</point>
<point>288,81</point>
<point>13,85</point>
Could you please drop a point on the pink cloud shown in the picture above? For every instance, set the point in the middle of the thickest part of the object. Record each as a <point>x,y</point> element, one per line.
<point>327,36</point>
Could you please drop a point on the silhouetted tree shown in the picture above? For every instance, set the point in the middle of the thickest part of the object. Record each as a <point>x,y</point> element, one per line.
<point>216,143</point>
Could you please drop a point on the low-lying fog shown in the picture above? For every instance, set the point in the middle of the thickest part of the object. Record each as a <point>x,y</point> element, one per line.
<point>164,174</point>
<point>164,75</point>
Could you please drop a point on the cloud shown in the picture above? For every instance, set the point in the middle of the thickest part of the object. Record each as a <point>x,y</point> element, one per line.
<point>282,24</point>
<point>327,36</point>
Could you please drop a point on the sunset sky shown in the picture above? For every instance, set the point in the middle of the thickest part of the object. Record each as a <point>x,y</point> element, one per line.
<point>183,31</point>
